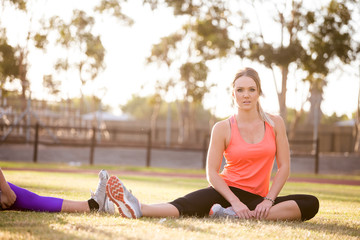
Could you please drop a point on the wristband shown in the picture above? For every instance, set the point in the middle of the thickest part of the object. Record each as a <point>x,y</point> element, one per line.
<point>273,202</point>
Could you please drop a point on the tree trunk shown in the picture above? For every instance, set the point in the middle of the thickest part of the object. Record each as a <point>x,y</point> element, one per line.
<point>295,123</point>
<point>153,121</point>
<point>282,94</point>
<point>22,76</point>
<point>357,126</point>
<point>357,137</point>
<point>186,116</point>
<point>180,123</point>
<point>315,102</point>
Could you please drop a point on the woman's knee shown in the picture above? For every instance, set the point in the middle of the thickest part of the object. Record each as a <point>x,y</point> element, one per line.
<point>309,207</point>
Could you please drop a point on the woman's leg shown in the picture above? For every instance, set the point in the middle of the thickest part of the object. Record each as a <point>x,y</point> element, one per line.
<point>291,207</point>
<point>75,206</point>
<point>159,210</point>
<point>197,203</point>
<point>288,210</point>
<point>26,200</point>
<point>29,201</point>
<point>295,207</point>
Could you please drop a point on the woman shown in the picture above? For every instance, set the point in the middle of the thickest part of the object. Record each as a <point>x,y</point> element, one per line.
<point>250,141</point>
<point>13,197</point>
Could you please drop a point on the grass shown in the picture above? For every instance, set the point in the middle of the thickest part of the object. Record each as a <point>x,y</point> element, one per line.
<point>338,217</point>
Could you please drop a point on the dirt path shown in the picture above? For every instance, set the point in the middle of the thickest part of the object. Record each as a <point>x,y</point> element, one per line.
<point>182,175</point>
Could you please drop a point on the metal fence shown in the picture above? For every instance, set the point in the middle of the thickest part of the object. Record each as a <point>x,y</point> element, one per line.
<point>137,138</point>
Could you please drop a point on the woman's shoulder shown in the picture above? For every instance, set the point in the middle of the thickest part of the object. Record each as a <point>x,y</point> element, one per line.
<point>222,125</point>
<point>278,121</point>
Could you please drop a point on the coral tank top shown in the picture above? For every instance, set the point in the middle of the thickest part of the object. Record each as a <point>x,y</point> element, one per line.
<point>248,166</point>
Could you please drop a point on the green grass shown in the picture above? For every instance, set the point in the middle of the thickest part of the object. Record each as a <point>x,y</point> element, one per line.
<point>338,218</point>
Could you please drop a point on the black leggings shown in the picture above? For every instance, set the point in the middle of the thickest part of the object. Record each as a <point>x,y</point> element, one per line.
<point>199,203</point>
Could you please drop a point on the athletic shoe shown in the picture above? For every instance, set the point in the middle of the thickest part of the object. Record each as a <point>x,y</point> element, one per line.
<point>109,206</point>
<point>100,194</point>
<point>127,204</point>
<point>217,211</point>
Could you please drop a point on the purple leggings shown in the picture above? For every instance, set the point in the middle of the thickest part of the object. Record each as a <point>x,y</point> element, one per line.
<point>29,201</point>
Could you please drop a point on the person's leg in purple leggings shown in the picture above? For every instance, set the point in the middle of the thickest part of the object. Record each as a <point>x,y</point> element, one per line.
<point>26,200</point>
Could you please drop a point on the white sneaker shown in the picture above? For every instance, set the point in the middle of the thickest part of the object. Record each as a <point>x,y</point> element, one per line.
<point>100,194</point>
<point>109,206</point>
<point>128,205</point>
<point>217,211</point>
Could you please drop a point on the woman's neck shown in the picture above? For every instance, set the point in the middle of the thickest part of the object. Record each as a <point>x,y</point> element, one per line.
<point>248,116</point>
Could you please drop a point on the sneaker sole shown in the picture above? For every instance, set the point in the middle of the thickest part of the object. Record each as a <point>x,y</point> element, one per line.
<point>115,192</point>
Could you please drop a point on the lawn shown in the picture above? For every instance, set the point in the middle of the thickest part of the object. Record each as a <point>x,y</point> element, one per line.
<point>338,218</point>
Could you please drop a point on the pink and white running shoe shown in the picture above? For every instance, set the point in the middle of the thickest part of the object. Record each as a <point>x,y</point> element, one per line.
<point>128,205</point>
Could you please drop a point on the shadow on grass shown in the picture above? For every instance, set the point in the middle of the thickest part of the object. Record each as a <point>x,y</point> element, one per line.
<point>330,228</point>
<point>35,225</point>
<point>323,228</point>
<point>179,223</point>
<point>32,225</point>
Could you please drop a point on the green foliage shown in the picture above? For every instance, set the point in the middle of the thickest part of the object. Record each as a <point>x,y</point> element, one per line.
<point>194,77</point>
<point>8,63</point>
<point>19,4</point>
<point>40,40</point>
<point>138,107</point>
<point>212,40</point>
<point>291,115</point>
<point>162,51</point>
<point>52,85</point>
<point>330,38</point>
<point>142,108</point>
<point>204,37</point>
<point>113,7</point>
<point>77,36</point>
<point>330,120</point>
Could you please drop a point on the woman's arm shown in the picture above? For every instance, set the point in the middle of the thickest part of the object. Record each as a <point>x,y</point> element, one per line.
<point>217,145</point>
<point>283,163</point>
<point>8,196</point>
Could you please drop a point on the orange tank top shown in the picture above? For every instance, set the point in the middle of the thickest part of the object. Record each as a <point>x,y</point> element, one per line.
<point>248,166</point>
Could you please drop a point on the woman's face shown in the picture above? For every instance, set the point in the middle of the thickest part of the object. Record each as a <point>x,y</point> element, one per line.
<point>245,93</point>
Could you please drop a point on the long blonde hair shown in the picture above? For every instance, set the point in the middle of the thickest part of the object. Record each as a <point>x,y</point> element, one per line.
<point>251,73</point>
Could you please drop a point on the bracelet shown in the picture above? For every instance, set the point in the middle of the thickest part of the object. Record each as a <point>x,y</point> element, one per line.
<point>273,202</point>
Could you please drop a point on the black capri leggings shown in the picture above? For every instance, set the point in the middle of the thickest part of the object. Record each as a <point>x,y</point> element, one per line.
<point>199,203</point>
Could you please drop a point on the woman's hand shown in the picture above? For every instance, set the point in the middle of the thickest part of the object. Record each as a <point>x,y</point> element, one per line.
<point>8,197</point>
<point>262,209</point>
<point>242,211</point>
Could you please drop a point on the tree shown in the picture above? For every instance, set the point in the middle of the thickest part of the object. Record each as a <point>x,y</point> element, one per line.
<point>87,51</point>
<point>30,39</point>
<point>9,68</point>
<point>330,33</point>
<point>204,37</point>
<point>140,108</point>
<point>311,40</point>
<point>51,85</point>
<point>254,46</point>
<point>36,30</point>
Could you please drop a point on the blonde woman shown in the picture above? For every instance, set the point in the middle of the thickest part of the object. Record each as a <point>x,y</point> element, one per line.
<point>250,141</point>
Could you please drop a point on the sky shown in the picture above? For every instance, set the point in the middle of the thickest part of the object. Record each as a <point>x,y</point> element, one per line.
<point>126,72</point>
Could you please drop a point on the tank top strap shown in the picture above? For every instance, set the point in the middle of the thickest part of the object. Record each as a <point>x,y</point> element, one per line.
<point>232,120</point>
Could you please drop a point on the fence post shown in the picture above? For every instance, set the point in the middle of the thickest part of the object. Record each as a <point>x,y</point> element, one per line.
<point>317,156</point>
<point>36,142</point>
<point>92,146</point>
<point>148,150</point>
